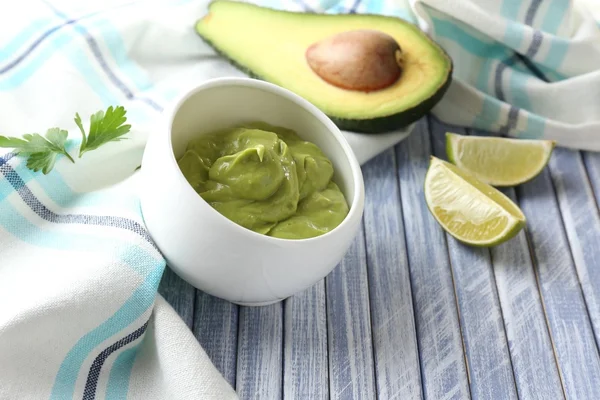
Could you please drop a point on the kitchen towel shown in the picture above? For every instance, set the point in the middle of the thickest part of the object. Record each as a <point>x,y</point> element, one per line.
<point>79,312</point>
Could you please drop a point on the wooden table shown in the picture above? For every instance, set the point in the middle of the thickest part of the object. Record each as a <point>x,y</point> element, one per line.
<point>410,313</point>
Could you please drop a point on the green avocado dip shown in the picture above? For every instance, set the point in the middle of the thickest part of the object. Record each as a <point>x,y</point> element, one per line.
<point>266,179</point>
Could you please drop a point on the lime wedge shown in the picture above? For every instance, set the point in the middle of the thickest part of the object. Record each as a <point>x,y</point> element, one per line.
<point>468,209</point>
<point>499,161</point>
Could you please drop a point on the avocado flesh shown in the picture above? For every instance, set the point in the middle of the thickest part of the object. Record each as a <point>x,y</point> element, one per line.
<point>270,44</point>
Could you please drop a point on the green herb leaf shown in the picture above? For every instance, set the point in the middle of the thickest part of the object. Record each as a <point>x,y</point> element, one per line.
<point>41,151</point>
<point>42,161</point>
<point>104,127</point>
<point>80,125</point>
<point>12,142</point>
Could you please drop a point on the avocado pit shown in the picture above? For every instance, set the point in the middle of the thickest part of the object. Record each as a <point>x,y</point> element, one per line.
<point>362,60</point>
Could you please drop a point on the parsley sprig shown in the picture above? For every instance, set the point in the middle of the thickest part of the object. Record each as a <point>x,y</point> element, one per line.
<point>104,127</point>
<point>42,151</point>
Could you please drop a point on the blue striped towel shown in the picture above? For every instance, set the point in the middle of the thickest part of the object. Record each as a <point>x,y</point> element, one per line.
<point>80,314</point>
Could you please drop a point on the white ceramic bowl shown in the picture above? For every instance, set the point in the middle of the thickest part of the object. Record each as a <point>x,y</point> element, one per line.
<point>205,248</point>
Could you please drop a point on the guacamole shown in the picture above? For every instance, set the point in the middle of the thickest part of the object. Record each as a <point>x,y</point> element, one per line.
<point>266,179</point>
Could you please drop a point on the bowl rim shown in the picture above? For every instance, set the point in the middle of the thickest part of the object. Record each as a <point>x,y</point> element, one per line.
<point>357,206</point>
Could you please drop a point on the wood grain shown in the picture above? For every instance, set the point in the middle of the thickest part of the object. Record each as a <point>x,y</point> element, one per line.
<point>564,305</point>
<point>582,224</point>
<point>260,355</point>
<point>534,365</point>
<point>482,323</point>
<point>592,166</point>
<point>179,294</point>
<point>531,352</point>
<point>351,369</point>
<point>395,347</point>
<point>444,373</point>
<point>216,328</point>
<point>305,359</point>
<point>391,321</point>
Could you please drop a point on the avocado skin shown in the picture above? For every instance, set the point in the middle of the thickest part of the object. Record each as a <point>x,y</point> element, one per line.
<point>372,125</point>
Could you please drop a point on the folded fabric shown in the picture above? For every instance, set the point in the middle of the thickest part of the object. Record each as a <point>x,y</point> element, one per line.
<point>80,314</point>
<point>529,69</point>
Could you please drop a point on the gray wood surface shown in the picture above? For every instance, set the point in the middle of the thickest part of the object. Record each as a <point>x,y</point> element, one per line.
<point>592,166</point>
<point>351,366</point>
<point>260,352</point>
<point>574,344</point>
<point>443,367</point>
<point>484,336</point>
<point>179,294</point>
<point>410,313</point>
<point>582,224</point>
<point>306,372</point>
<point>216,328</point>
<point>398,375</point>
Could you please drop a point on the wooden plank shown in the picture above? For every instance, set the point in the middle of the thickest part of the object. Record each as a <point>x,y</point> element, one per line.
<point>582,223</point>
<point>567,316</point>
<point>532,355</point>
<point>444,373</point>
<point>179,294</point>
<point>395,347</point>
<point>592,165</point>
<point>534,365</point>
<point>306,372</point>
<point>260,352</point>
<point>351,369</point>
<point>486,347</point>
<point>216,328</point>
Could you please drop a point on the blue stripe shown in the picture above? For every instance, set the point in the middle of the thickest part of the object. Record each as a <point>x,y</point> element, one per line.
<point>375,7</point>
<point>118,380</point>
<point>83,219</point>
<point>20,227</point>
<point>552,21</point>
<point>93,45</point>
<point>23,37</point>
<point>140,300</point>
<point>147,265</point>
<point>510,9</point>
<point>354,7</point>
<point>490,52</point>
<point>489,116</point>
<point>554,15</point>
<point>91,383</point>
<point>61,194</point>
<point>474,45</point>
<point>117,50</point>
<point>15,62</point>
<point>36,60</point>
<point>514,33</point>
<point>491,108</point>
<point>138,303</point>
<point>535,128</point>
<point>337,8</point>
<point>556,54</point>
<point>483,81</point>
<point>517,94</point>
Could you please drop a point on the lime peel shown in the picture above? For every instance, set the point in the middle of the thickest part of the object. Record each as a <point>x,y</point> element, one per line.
<point>500,162</point>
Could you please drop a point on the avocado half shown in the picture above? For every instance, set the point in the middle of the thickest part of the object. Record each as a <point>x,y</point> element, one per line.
<point>270,45</point>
